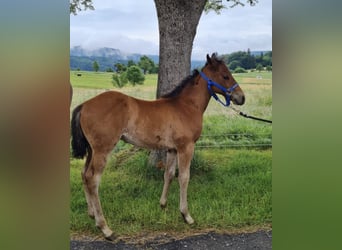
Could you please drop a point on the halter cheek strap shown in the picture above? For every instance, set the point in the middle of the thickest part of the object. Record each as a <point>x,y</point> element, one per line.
<point>227,92</point>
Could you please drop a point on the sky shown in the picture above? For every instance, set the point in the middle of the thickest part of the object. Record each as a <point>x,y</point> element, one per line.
<point>132,27</point>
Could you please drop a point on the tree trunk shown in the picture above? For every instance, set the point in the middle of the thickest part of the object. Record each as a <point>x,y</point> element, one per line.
<point>178,20</point>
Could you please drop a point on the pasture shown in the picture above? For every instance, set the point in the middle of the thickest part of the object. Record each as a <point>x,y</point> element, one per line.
<point>230,184</point>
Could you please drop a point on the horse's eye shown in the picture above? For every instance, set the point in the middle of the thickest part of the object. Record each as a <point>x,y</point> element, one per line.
<point>226,77</point>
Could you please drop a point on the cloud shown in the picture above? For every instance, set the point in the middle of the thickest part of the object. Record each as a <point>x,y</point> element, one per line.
<point>89,39</point>
<point>119,25</point>
<point>132,26</point>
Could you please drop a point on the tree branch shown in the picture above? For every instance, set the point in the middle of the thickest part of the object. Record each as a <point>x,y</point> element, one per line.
<point>79,5</point>
<point>217,5</point>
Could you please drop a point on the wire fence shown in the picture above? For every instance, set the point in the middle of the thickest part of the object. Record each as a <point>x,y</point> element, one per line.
<point>253,138</point>
<point>223,146</point>
<point>235,140</point>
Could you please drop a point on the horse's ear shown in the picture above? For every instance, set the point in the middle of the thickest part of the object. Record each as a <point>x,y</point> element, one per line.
<point>208,59</point>
<point>214,56</point>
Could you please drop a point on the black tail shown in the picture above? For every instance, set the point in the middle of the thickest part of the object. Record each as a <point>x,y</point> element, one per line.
<point>79,143</point>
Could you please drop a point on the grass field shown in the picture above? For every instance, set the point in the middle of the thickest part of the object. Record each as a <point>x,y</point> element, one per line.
<point>230,185</point>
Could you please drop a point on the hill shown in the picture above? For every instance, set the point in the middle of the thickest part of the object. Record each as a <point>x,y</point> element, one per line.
<point>83,59</point>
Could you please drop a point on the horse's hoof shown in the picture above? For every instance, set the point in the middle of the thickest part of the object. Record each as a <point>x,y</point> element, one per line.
<point>110,237</point>
<point>163,206</point>
<point>188,219</point>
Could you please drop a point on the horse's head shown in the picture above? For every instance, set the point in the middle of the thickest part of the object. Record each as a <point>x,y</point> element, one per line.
<point>221,81</point>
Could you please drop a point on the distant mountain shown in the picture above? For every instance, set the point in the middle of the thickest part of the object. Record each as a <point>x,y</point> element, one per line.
<point>103,52</point>
<point>83,59</point>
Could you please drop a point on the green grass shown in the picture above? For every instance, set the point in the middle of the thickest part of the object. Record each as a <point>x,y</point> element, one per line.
<point>103,80</point>
<point>100,80</point>
<point>254,74</point>
<point>228,189</point>
<point>234,132</point>
<point>230,184</point>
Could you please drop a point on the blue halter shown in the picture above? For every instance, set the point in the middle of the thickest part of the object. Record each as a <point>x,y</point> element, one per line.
<point>227,92</point>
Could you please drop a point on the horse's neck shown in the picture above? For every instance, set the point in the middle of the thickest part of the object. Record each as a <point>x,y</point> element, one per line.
<point>196,95</point>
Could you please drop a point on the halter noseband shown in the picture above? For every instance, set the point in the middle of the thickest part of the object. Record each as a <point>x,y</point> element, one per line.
<point>225,91</point>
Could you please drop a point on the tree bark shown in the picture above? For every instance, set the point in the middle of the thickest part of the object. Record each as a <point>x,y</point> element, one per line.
<point>178,20</point>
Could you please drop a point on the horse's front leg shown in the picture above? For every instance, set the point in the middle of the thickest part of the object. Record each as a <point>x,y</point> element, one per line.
<point>169,173</point>
<point>184,161</point>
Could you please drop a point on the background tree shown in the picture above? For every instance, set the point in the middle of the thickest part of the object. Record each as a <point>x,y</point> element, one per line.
<point>267,59</point>
<point>259,67</point>
<point>259,58</point>
<point>155,69</point>
<point>234,64</point>
<point>135,76</point>
<point>242,58</point>
<point>96,66</point>
<point>119,67</point>
<point>131,63</point>
<point>247,60</point>
<point>146,64</point>
<point>119,80</point>
<point>240,70</point>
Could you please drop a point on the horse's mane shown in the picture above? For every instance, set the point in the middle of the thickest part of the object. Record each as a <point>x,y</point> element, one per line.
<point>186,81</point>
<point>190,79</point>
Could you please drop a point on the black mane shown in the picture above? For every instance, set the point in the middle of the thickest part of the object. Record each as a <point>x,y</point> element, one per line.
<point>215,61</point>
<point>176,91</point>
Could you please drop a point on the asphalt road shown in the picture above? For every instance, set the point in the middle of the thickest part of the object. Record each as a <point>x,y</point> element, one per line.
<point>258,240</point>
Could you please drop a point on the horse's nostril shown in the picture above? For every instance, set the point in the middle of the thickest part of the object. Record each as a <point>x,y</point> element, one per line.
<point>243,100</point>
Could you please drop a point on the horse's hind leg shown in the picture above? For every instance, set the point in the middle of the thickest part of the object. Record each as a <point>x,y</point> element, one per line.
<point>184,160</point>
<point>92,177</point>
<point>169,173</point>
<point>85,187</point>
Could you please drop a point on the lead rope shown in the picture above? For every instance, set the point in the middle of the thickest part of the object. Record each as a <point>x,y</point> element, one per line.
<point>249,116</point>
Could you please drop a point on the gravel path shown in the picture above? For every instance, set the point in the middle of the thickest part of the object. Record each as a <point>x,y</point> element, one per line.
<point>258,240</point>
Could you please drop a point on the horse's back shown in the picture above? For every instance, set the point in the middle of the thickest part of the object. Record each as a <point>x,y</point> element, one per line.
<point>105,115</point>
<point>160,123</point>
<point>108,99</point>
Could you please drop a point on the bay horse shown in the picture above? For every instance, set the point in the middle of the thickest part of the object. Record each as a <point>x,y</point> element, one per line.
<point>172,123</point>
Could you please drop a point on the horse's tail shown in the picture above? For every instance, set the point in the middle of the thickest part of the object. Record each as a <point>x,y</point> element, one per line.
<point>80,145</point>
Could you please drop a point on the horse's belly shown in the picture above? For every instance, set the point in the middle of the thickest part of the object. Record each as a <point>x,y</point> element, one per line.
<point>152,142</point>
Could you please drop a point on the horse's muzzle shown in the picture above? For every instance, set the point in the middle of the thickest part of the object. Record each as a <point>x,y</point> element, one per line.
<point>238,99</point>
